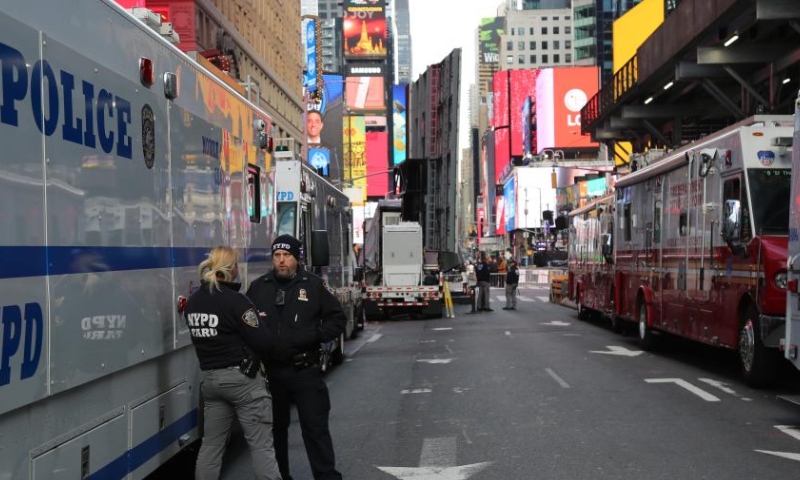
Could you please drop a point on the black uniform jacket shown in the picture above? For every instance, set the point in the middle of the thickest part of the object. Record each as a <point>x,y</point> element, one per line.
<point>222,322</point>
<point>311,314</point>
<point>482,272</point>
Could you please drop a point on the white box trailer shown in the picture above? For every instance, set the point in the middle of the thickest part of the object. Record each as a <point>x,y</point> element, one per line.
<point>792,340</point>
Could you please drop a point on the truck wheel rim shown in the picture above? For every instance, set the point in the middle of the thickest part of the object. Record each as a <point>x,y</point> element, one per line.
<point>747,345</point>
<point>642,322</point>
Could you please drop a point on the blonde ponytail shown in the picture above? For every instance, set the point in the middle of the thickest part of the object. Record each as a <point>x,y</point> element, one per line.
<point>218,266</point>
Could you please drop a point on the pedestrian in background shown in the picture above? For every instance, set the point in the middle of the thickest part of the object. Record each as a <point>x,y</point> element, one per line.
<point>512,282</point>
<point>229,337</point>
<point>484,277</point>
<point>302,312</point>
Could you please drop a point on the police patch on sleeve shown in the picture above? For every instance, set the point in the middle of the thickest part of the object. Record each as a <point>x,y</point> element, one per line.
<point>328,287</point>
<point>250,318</point>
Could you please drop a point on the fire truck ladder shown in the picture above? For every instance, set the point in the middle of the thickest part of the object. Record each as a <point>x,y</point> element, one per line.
<point>436,86</point>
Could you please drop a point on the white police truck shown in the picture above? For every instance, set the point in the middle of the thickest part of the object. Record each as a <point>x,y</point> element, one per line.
<point>122,162</point>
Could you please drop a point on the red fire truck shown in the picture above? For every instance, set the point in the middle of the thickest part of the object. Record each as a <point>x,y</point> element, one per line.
<point>591,260</point>
<point>700,243</point>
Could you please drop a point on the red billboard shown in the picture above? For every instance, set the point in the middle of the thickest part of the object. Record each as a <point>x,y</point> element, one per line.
<point>365,29</point>
<point>501,157</point>
<point>377,164</point>
<point>365,94</point>
<point>500,100</point>
<point>523,85</point>
<point>560,95</point>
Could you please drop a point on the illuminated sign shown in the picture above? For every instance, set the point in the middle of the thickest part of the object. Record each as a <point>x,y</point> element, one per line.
<point>310,76</point>
<point>560,95</point>
<point>365,71</point>
<point>399,116</point>
<point>364,29</point>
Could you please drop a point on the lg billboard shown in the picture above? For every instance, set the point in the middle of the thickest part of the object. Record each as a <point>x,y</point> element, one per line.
<point>560,95</point>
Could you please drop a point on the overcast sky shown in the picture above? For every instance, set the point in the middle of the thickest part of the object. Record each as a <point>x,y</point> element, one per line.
<point>439,26</point>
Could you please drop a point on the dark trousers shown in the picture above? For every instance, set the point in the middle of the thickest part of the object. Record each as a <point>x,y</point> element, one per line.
<point>307,390</point>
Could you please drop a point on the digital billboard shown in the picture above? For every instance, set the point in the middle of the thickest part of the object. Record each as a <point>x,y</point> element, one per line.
<point>324,126</point>
<point>310,76</point>
<point>365,94</point>
<point>523,86</point>
<point>399,119</point>
<point>502,145</point>
<point>632,29</point>
<point>364,28</point>
<point>500,102</point>
<point>509,193</point>
<point>377,162</point>
<point>489,33</point>
<point>526,126</point>
<point>355,146</point>
<point>560,95</point>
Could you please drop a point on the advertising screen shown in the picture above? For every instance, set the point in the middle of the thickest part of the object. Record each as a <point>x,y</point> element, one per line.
<point>523,86</point>
<point>355,146</point>
<point>324,126</point>
<point>509,193</point>
<point>501,157</point>
<point>310,76</point>
<point>499,211</point>
<point>364,29</point>
<point>377,162</point>
<point>500,102</point>
<point>526,126</point>
<point>365,94</point>
<point>560,95</point>
<point>489,40</point>
<point>399,119</point>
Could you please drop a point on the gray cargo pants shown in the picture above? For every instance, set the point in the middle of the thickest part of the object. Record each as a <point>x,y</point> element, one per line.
<point>511,295</point>
<point>227,393</point>
<point>484,292</point>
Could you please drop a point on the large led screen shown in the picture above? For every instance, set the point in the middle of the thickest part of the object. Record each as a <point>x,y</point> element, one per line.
<point>355,150</point>
<point>365,94</point>
<point>399,119</point>
<point>377,164</point>
<point>364,29</point>
<point>561,93</point>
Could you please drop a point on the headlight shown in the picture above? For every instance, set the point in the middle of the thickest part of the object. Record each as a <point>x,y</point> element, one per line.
<point>781,280</point>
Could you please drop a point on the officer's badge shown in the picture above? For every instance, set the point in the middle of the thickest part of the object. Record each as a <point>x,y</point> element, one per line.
<point>302,296</point>
<point>250,318</point>
<point>328,287</point>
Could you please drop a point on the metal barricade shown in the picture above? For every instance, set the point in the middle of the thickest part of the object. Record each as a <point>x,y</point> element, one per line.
<point>497,280</point>
<point>538,277</point>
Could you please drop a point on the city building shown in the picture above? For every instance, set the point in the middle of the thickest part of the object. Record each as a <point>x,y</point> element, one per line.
<point>332,48</point>
<point>466,197</point>
<point>402,56</point>
<point>537,38</point>
<point>253,46</point>
<point>330,9</point>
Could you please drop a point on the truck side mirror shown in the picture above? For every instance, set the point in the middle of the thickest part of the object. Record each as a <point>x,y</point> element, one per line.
<point>320,254</point>
<point>608,247</point>
<point>732,225</point>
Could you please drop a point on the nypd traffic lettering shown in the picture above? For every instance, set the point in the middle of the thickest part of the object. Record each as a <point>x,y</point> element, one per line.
<point>98,118</point>
<point>103,327</point>
<point>22,327</point>
<point>202,325</point>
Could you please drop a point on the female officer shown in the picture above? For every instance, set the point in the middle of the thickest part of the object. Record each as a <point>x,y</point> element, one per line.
<point>226,333</point>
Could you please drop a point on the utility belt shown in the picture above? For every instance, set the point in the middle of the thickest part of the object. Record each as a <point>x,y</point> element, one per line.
<point>305,359</point>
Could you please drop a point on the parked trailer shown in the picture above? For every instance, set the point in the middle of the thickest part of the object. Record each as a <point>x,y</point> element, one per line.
<point>123,163</point>
<point>591,260</point>
<point>700,241</point>
<point>793,292</point>
<point>318,214</point>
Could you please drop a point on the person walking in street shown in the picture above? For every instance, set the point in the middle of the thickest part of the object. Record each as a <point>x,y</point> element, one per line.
<point>302,312</point>
<point>484,286</point>
<point>512,282</point>
<point>228,337</point>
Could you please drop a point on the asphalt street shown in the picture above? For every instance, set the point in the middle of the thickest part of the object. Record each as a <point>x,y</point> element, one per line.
<point>538,394</point>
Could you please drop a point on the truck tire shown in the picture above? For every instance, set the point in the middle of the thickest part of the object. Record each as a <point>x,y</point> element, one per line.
<point>759,364</point>
<point>647,338</point>
<point>337,356</point>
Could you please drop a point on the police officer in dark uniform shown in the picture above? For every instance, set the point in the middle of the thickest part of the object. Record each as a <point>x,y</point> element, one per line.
<point>302,313</point>
<point>228,337</point>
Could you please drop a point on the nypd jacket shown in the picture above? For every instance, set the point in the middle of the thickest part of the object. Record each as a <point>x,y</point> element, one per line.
<point>311,314</point>
<point>222,323</point>
<point>482,272</point>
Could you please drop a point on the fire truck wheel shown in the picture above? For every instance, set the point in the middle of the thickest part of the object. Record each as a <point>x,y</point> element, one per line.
<point>759,363</point>
<point>647,339</point>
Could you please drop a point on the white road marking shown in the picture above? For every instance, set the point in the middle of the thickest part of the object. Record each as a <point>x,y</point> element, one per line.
<point>348,359</point>
<point>500,299</point>
<point>525,299</point>
<point>557,378</point>
<point>621,351</point>
<point>721,385</point>
<point>375,338</point>
<point>686,385</point>
<point>460,390</point>
<point>790,430</point>
<point>543,298</point>
<point>557,323</point>
<point>436,462</point>
<point>572,334</point>
<point>442,329</point>
<point>434,361</point>
<point>508,333</point>
<point>427,341</point>
<point>788,455</point>
<point>416,390</point>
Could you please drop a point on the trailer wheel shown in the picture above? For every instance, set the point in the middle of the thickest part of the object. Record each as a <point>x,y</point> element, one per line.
<point>647,338</point>
<point>759,364</point>
<point>337,356</point>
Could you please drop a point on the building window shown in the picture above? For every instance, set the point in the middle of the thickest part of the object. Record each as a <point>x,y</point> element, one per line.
<point>533,45</point>
<point>521,59</point>
<point>544,45</point>
<point>544,30</point>
<point>544,19</point>
<point>533,59</point>
<point>520,45</point>
<point>532,31</point>
<point>544,59</point>
<point>568,44</point>
<point>568,18</point>
<point>556,30</point>
<point>568,30</point>
<point>556,58</point>
<point>556,45</point>
<point>510,46</point>
<point>568,58</point>
<point>509,59</point>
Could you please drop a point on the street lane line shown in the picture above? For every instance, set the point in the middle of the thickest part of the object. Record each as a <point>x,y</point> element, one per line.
<point>686,385</point>
<point>720,385</point>
<point>442,329</point>
<point>556,378</point>
<point>427,341</point>
<point>544,298</point>
<point>375,338</point>
<point>435,361</point>
<point>557,323</point>
<point>526,299</point>
<point>437,461</point>
<point>508,333</point>
<point>621,351</point>
<point>790,430</point>
<point>788,455</point>
<point>416,390</point>
<point>572,334</point>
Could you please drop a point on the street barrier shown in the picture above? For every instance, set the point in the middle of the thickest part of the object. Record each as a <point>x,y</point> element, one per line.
<point>539,277</point>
